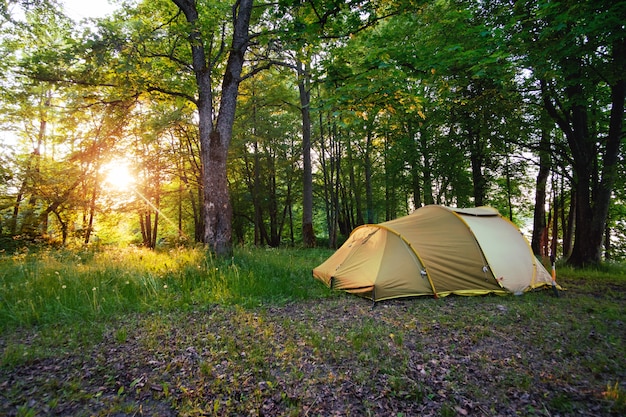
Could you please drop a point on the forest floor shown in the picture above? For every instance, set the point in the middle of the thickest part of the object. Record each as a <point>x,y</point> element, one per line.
<point>534,355</point>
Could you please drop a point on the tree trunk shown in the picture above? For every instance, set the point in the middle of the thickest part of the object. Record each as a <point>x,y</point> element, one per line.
<point>568,228</point>
<point>427,169</point>
<point>555,226</point>
<point>607,244</point>
<point>63,228</point>
<point>356,192</point>
<point>308,234</point>
<point>369,191</point>
<point>478,179</point>
<point>215,140</point>
<point>155,228</point>
<point>92,208</point>
<point>538,242</point>
<point>195,190</point>
<point>588,242</point>
<point>592,199</point>
<point>327,175</point>
<point>144,230</point>
<point>31,221</point>
<point>16,209</point>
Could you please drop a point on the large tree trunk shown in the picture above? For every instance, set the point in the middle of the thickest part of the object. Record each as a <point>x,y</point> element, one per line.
<point>592,198</point>
<point>215,140</point>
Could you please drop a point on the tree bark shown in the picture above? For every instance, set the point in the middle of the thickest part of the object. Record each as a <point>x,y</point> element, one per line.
<point>592,199</point>
<point>215,138</point>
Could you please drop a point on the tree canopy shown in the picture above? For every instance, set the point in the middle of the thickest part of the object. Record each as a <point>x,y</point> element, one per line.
<point>273,123</point>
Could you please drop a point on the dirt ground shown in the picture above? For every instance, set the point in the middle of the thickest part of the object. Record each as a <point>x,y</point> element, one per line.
<point>534,355</point>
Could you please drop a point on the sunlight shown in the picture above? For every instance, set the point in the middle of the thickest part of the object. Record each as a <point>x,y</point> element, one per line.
<point>117,176</point>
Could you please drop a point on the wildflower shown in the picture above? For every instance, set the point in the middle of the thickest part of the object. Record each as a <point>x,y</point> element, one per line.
<point>93,289</point>
<point>64,286</point>
<point>165,286</point>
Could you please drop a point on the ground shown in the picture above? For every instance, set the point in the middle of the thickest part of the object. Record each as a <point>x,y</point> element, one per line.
<point>340,356</point>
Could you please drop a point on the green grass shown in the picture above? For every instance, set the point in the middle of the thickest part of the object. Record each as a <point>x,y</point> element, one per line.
<point>51,286</point>
<point>126,331</point>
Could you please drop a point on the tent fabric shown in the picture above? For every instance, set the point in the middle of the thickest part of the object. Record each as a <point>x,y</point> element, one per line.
<point>435,251</point>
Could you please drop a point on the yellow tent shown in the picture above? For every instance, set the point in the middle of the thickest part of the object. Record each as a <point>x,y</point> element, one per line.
<point>436,251</point>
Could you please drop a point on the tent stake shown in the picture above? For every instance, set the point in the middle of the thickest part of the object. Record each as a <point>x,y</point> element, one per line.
<point>554,288</point>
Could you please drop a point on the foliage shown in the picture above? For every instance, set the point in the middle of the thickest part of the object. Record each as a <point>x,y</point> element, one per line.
<point>408,103</point>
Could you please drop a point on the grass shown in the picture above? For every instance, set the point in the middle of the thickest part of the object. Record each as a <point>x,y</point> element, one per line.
<point>62,286</point>
<point>176,332</point>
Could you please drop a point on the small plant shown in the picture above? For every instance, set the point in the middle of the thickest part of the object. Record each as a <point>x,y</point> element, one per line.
<point>562,403</point>
<point>13,355</point>
<point>121,335</point>
<point>617,396</point>
<point>26,411</point>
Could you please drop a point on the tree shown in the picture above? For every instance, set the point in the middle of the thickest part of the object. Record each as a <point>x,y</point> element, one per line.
<point>577,52</point>
<point>216,133</point>
<point>59,174</point>
<point>264,161</point>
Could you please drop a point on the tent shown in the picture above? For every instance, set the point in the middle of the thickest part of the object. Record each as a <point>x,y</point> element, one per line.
<point>435,251</point>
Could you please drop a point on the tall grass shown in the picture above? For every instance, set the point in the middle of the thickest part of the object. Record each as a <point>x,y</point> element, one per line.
<point>48,286</point>
<point>87,285</point>
<point>607,272</point>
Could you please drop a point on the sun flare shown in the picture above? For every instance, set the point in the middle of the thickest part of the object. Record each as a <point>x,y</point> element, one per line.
<point>117,175</point>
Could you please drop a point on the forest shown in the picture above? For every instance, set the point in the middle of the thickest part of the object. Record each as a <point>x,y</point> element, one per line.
<point>289,122</point>
<point>171,171</point>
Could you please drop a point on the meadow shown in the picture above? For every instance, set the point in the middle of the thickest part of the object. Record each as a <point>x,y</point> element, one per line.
<point>128,331</point>
<point>46,286</point>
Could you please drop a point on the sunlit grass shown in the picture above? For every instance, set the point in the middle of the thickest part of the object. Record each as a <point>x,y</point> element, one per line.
<point>48,286</point>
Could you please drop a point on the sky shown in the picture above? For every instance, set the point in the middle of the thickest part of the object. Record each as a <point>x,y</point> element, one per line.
<point>82,9</point>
